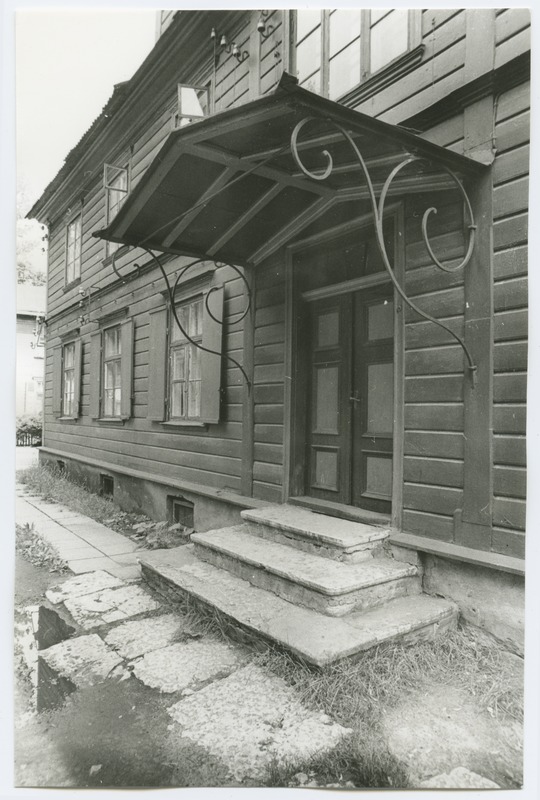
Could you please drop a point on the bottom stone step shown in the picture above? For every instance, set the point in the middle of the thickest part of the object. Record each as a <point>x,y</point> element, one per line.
<point>313,636</point>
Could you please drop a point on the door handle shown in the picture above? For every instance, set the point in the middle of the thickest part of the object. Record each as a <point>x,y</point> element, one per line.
<point>354,398</point>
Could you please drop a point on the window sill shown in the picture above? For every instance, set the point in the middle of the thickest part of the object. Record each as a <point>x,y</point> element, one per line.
<point>186,423</point>
<point>111,420</point>
<point>69,286</point>
<point>67,419</point>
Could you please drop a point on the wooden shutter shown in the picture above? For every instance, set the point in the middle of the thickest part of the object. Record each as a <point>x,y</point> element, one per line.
<point>95,375</point>
<point>126,369</point>
<point>57,381</point>
<point>157,360</point>
<point>77,378</point>
<point>210,363</point>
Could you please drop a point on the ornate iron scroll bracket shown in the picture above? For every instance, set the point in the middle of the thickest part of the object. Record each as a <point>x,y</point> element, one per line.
<point>378,215</point>
<point>171,291</point>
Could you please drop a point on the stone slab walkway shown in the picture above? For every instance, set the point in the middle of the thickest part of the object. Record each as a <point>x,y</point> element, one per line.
<point>84,544</point>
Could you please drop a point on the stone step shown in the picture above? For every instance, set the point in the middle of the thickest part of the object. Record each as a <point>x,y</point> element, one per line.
<point>331,587</point>
<point>329,537</point>
<point>314,637</point>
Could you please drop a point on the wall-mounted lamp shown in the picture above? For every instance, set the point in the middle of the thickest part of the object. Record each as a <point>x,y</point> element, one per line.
<point>225,47</point>
<point>265,30</point>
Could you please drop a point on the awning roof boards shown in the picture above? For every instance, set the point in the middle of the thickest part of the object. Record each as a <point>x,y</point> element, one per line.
<point>228,187</point>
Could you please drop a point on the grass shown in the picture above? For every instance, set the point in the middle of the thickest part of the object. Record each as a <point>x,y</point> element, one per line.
<point>32,547</point>
<point>53,485</point>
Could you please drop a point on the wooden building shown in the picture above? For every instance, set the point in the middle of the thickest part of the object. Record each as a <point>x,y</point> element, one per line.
<point>236,178</point>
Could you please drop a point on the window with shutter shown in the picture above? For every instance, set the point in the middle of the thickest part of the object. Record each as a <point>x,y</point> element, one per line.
<point>111,371</point>
<point>184,378</point>
<point>67,380</point>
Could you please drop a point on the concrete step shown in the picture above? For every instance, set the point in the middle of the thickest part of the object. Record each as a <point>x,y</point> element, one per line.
<point>331,587</point>
<point>314,637</point>
<point>329,537</point>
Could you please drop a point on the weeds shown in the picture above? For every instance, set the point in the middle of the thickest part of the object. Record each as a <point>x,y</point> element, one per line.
<point>32,547</point>
<point>55,486</point>
<point>357,688</point>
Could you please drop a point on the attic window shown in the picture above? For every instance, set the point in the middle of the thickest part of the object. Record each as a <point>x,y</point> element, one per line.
<point>193,104</point>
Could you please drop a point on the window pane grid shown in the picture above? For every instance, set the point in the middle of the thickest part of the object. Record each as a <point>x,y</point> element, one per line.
<point>112,372</point>
<point>68,380</point>
<point>185,363</point>
<point>73,255</point>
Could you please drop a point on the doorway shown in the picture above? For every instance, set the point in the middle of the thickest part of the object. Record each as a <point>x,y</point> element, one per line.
<point>350,399</point>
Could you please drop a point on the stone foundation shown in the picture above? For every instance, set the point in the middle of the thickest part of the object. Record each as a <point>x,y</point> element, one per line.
<point>490,599</point>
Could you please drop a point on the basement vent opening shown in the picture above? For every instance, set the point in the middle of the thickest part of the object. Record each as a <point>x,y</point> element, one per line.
<point>181,511</point>
<point>61,466</point>
<point>106,486</point>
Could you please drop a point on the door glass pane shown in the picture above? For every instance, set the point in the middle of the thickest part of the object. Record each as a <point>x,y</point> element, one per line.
<point>344,70</point>
<point>389,38</point>
<point>328,329</point>
<point>326,469</point>
<point>326,400</point>
<point>344,27</point>
<point>380,398</point>
<point>379,476</point>
<point>381,320</point>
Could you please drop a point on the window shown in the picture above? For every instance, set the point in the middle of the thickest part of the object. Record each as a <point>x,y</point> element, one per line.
<point>115,180</point>
<point>184,381</point>
<point>67,379</point>
<point>193,104</point>
<point>337,50</point>
<point>185,362</point>
<point>111,370</point>
<point>112,375</point>
<point>73,249</point>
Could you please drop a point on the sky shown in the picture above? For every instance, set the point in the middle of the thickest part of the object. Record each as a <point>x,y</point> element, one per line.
<point>67,62</point>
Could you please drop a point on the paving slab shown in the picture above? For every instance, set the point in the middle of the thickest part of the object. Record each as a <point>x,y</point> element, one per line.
<point>92,564</point>
<point>110,605</point>
<point>252,718</point>
<point>137,637</point>
<point>84,660</point>
<point>188,665</point>
<point>80,585</point>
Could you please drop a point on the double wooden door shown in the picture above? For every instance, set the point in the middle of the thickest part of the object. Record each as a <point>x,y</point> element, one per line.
<point>350,408</point>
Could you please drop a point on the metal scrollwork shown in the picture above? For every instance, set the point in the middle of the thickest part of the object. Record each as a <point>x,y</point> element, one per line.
<point>378,214</point>
<point>171,291</point>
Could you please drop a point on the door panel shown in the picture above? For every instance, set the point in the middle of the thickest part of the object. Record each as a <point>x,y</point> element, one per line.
<point>373,413</point>
<point>327,473</point>
<point>350,404</point>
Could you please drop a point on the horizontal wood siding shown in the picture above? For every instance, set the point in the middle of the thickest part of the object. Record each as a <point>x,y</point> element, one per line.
<point>433,447</point>
<point>510,302</point>
<point>268,388</point>
<point>210,456</point>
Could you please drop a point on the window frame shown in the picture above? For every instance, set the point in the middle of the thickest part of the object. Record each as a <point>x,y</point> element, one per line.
<point>177,116</point>
<point>77,261</point>
<point>124,170</point>
<point>65,412</point>
<point>414,38</point>
<point>187,347</point>
<point>116,358</point>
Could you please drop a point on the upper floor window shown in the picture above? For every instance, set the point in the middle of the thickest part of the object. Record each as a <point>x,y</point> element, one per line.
<point>73,249</point>
<point>337,50</point>
<point>193,104</point>
<point>116,182</point>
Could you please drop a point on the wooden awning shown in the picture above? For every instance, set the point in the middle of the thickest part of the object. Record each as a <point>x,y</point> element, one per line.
<point>229,188</point>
